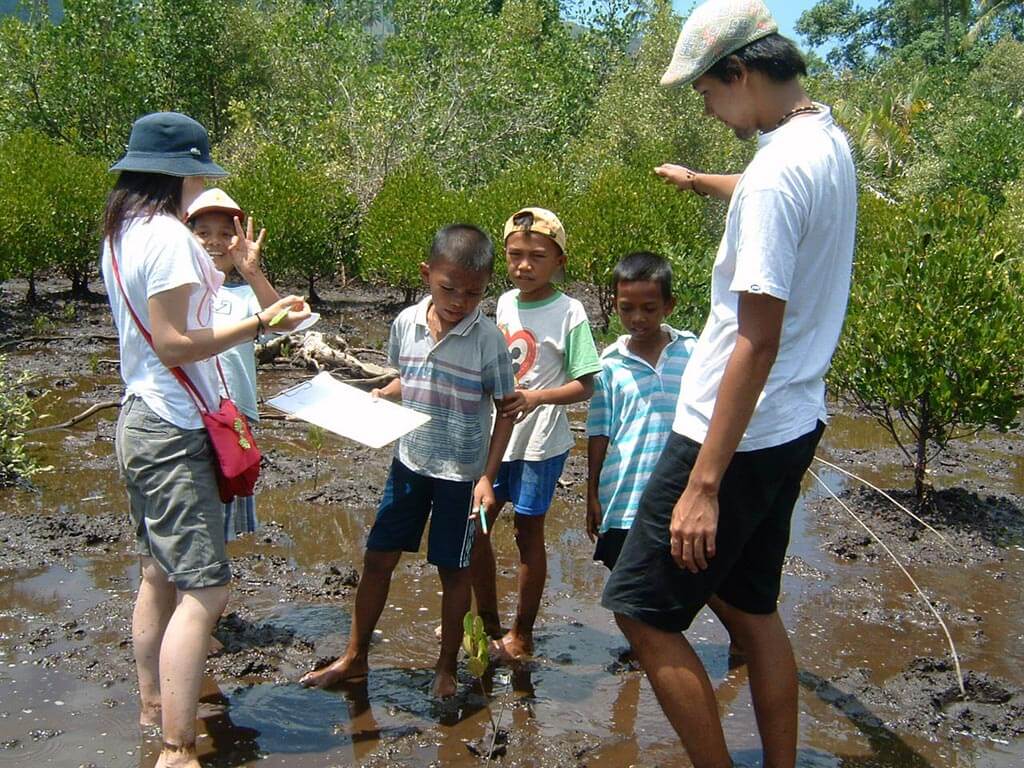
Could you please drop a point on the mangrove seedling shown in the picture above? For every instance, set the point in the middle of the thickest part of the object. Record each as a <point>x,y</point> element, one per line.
<point>315,436</point>
<point>476,644</point>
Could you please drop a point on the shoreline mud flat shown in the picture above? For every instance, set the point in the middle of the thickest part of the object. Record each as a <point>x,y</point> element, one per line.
<point>877,682</point>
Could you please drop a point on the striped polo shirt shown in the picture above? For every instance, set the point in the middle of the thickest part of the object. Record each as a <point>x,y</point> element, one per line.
<point>454,382</point>
<point>634,405</point>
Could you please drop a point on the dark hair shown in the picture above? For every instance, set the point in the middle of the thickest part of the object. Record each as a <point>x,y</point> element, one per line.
<point>644,266</point>
<point>464,245</point>
<point>774,55</point>
<point>140,194</point>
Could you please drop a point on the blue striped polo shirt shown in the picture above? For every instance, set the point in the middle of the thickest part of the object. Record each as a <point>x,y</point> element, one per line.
<point>454,382</point>
<point>634,405</point>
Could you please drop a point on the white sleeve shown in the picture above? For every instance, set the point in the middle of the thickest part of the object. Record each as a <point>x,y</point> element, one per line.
<point>769,228</point>
<point>170,265</point>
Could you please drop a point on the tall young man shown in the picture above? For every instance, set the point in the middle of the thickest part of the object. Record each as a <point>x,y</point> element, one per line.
<point>713,524</point>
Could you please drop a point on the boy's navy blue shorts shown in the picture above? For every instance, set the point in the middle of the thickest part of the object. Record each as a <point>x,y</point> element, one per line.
<point>529,485</point>
<point>609,546</point>
<point>755,504</point>
<point>409,499</point>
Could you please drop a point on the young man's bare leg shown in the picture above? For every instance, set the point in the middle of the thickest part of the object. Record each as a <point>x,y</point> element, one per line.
<point>456,589</point>
<point>483,572</point>
<point>533,573</point>
<point>773,683</point>
<point>182,659</point>
<point>683,689</point>
<point>153,608</point>
<point>371,597</point>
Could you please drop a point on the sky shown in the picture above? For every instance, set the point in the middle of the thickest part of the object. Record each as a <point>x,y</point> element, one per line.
<point>786,12</point>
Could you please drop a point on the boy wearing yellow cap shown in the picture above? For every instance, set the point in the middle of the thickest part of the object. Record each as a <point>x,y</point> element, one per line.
<point>554,360</point>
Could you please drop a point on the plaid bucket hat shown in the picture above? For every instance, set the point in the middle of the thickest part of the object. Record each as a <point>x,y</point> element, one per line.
<point>169,143</point>
<point>713,31</point>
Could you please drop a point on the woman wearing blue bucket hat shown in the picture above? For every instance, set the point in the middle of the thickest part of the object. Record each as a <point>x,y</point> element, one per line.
<point>161,283</point>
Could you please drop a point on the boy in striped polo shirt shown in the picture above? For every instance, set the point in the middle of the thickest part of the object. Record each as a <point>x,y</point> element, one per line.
<point>634,401</point>
<point>453,364</point>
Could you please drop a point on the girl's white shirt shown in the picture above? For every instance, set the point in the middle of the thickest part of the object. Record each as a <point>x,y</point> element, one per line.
<point>156,255</point>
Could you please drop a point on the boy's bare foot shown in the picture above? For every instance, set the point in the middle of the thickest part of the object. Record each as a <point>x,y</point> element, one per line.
<point>216,646</point>
<point>175,756</point>
<point>150,716</point>
<point>511,647</point>
<point>344,669</point>
<point>444,686</point>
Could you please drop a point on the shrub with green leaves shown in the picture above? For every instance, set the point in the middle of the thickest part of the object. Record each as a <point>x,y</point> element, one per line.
<point>16,414</point>
<point>400,224</point>
<point>932,344</point>
<point>626,209</point>
<point>50,203</point>
<point>310,218</point>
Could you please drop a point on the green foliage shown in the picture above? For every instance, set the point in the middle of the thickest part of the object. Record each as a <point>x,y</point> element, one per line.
<point>400,224</point>
<point>50,199</point>
<point>931,346</point>
<point>627,209</point>
<point>311,220</point>
<point>476,644</point>
<point>16,414</point>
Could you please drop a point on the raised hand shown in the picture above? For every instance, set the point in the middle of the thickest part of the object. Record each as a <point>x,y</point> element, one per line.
<point>244,251</point>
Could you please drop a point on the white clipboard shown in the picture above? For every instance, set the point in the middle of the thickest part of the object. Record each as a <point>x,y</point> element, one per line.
<point>347,411</point>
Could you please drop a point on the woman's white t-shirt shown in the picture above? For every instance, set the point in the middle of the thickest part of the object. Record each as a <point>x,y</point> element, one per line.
<point>155,255</point>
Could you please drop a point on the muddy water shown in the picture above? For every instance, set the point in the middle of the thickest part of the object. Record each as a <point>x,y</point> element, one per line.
<point>67,695</point>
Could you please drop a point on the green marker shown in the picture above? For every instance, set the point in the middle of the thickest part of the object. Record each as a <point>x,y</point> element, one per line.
<point>279,317</point>
<point>483,518</point>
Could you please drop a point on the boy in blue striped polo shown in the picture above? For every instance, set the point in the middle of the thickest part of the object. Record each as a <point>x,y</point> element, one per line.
<point>634,401</point>
<point>453,365</point>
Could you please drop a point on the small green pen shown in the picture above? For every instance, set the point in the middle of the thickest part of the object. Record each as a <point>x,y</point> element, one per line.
<point>279,317</point>
<point>483,517</point>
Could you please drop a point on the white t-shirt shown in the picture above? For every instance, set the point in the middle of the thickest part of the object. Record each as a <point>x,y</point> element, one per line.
<point>154,256</point>
<point>550,344</point>
<point>232,304</point>
<point>789,233</point>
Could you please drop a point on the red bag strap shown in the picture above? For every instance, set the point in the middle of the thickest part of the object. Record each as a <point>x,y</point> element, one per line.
<point>178,373</point>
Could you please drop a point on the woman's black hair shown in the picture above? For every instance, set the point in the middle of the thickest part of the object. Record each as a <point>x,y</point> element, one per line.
<point>774,55</point>
<point>644,266</point>
<point>138,194</point>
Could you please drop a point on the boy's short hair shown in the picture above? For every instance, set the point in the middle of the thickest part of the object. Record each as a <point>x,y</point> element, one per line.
<point>646,266</point>
<point>775,56</point>
<point>464,245</point>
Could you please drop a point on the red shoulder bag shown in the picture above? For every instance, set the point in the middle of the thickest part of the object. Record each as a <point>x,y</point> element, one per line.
<point>236,456</point>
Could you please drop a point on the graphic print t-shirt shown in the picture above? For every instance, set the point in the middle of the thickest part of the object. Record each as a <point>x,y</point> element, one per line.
<point>550,344</point>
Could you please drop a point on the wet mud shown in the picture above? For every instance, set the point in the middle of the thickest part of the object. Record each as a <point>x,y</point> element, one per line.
<point>878,686</point>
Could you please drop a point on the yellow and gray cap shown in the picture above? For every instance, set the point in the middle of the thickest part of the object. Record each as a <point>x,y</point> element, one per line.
<point>541,221</point>
<point>713,31</point>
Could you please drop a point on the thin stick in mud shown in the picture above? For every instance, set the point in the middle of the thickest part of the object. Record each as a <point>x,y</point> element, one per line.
<point>887,496</point>
<point>935,613</point>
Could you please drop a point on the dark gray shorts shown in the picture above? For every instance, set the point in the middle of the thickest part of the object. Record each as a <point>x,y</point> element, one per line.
<point>755,505</point>
<point>172,497</point>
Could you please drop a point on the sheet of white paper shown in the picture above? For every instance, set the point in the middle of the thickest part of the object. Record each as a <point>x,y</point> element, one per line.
<point>347,411</point>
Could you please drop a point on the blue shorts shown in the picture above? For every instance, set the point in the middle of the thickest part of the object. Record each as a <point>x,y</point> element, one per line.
<point>529,485</point>
<point>409,499</point>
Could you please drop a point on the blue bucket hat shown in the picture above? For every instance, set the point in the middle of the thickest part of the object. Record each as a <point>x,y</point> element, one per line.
<point>169,143</point>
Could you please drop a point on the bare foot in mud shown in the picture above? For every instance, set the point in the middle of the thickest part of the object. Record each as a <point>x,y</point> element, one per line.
<point>216,646</point>
<point>178,757</point>
<point>344,669</point>
<point>511,647</point>
<point>444,686</point>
